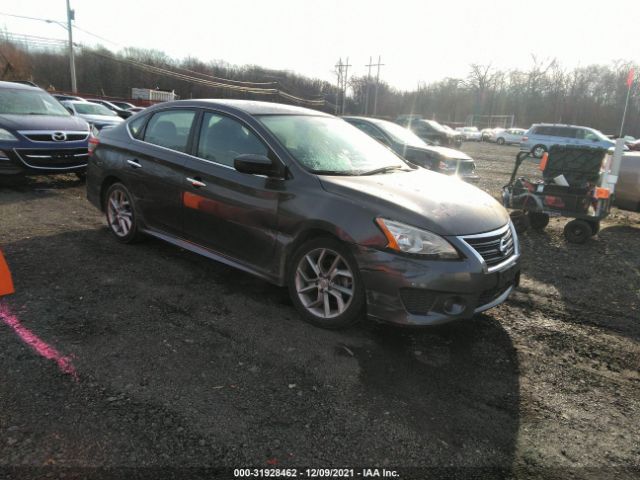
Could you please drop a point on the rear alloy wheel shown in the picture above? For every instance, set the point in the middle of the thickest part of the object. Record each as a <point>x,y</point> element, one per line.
<point>538,220</point>
<point>577,231</point>
<point>538,151</point>
<point>500,141</point>
<point>324,284</point>
<point>121,215</point>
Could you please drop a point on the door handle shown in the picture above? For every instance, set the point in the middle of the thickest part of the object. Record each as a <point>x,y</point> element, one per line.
<point>196,183</point>
<point>134,163</point>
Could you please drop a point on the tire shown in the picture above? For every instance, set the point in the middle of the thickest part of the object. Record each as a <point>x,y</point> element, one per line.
<point>538,221</point>
<point>316,268</point>
<point>500,141</point>
<point>577,231</point>
<point>595,227</point>
<point>121,215</point>
<point>538,151</point>
<point>520,221</point>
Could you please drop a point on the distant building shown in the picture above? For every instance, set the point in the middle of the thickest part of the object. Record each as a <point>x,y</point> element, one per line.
<point>153,95</point>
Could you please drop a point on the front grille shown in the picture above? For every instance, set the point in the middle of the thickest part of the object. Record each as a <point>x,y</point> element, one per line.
<point>417,300</point>
<point>494,247</point>
<point>46,136</point>
<point>53,159</point>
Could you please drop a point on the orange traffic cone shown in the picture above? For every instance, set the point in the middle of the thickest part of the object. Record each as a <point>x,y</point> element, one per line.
<point>6,284</point>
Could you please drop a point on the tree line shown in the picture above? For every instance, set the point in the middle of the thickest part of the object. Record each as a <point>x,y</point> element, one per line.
<point>592,95</point>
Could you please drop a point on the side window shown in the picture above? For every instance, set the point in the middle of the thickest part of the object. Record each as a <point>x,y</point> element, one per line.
<point>136,126</point>
<point>170,129</point>
<point>222,139</point>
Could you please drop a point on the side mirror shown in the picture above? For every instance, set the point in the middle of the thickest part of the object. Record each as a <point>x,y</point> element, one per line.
<point>254,165</point>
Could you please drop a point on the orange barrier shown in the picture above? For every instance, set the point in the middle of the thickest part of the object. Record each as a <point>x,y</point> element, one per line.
<point>6,284</point>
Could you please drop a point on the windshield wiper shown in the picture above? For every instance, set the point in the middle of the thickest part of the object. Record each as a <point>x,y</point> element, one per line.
<point>334,172</point>
<point>388,168</point>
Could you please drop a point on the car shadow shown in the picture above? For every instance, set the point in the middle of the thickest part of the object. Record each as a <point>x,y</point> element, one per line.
<point>13,189</point>
<point>228,358</point>
<point>607,266</point>
<point>457,386</point>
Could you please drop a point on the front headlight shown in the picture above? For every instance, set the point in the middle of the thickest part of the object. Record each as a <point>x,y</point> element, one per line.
<point>407,239</point>
<point>6,135</point>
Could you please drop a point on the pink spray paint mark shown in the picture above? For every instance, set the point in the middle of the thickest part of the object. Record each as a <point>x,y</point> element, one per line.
<point>37,344</point>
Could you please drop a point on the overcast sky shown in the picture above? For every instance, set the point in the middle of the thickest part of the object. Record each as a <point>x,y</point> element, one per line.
<point>419,41</point>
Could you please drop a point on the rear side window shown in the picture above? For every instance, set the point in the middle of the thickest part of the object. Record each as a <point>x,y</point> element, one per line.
<point>170,129</point>
<point>136,126</point>
<point>222,139</point>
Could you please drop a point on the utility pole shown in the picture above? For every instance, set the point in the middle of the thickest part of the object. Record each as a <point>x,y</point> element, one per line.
<point>339,66</point>
<point>366,98</point>
<point>71,14</point>
<point>375,96</point>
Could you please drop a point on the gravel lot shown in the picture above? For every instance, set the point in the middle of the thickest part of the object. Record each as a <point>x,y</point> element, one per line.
<point>182,362</point>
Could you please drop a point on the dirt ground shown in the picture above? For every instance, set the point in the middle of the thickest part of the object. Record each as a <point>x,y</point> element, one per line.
<point>184,363</point>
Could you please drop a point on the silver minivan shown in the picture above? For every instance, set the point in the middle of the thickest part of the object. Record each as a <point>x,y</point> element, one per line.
<point>542,136</point>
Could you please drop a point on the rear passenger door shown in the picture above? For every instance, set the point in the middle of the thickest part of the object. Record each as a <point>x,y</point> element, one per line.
<point>155,165</point>
<point>232,213</point>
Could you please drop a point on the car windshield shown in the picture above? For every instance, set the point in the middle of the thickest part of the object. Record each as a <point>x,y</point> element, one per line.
<point>29,102</point>
<point>435,125</point>
<point>93,109</point>
<point>400,134</point>
<point>331,146</point>
<point>596,135</point>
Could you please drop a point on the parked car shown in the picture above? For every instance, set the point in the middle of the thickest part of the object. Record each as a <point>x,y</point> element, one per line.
<point>470,133</point>
<point>62,96</point>
<point>541,136</point>
<point>635,146</point>
<point>431,131</point>
<point>410,147</point>
<point>303,199</point>
<point>458,138</point>
<point>122,113</point>
<point>136,109</point>
<point>123,105</point>
<point>510,136</point>
<point>628,187</point>
<point>97,115</point>
<point>37,135</point>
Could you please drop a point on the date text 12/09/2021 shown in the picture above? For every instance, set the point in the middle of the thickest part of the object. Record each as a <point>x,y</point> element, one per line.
<point>315,473</point>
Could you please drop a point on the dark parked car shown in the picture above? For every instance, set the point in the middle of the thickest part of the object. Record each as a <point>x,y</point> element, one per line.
<point>410,147</point>
<point>121,112</point>
<point>303,199</point>
<point>431,131</point>
<point>122,105</point>
<point>37,135</point>
<point>61,97</point>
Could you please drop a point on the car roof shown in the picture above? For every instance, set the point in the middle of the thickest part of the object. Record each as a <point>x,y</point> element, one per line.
<point>18,86</point>
<point>252,107</point>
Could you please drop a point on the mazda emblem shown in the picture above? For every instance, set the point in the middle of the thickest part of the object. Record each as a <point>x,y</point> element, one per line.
<point>59,136</point>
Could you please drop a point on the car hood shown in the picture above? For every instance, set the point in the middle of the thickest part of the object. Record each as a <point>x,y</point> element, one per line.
<point>451,153</point>
<point>444,152</point>
<point>102,119</point>
<point>42,122</point>
<point>424,199</point>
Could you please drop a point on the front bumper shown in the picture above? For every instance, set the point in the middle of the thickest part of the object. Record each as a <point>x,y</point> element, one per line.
<point>43,160</point>
<point>412,291</point>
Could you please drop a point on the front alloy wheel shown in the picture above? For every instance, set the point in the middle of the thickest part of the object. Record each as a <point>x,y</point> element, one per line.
<point>325,285</point>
